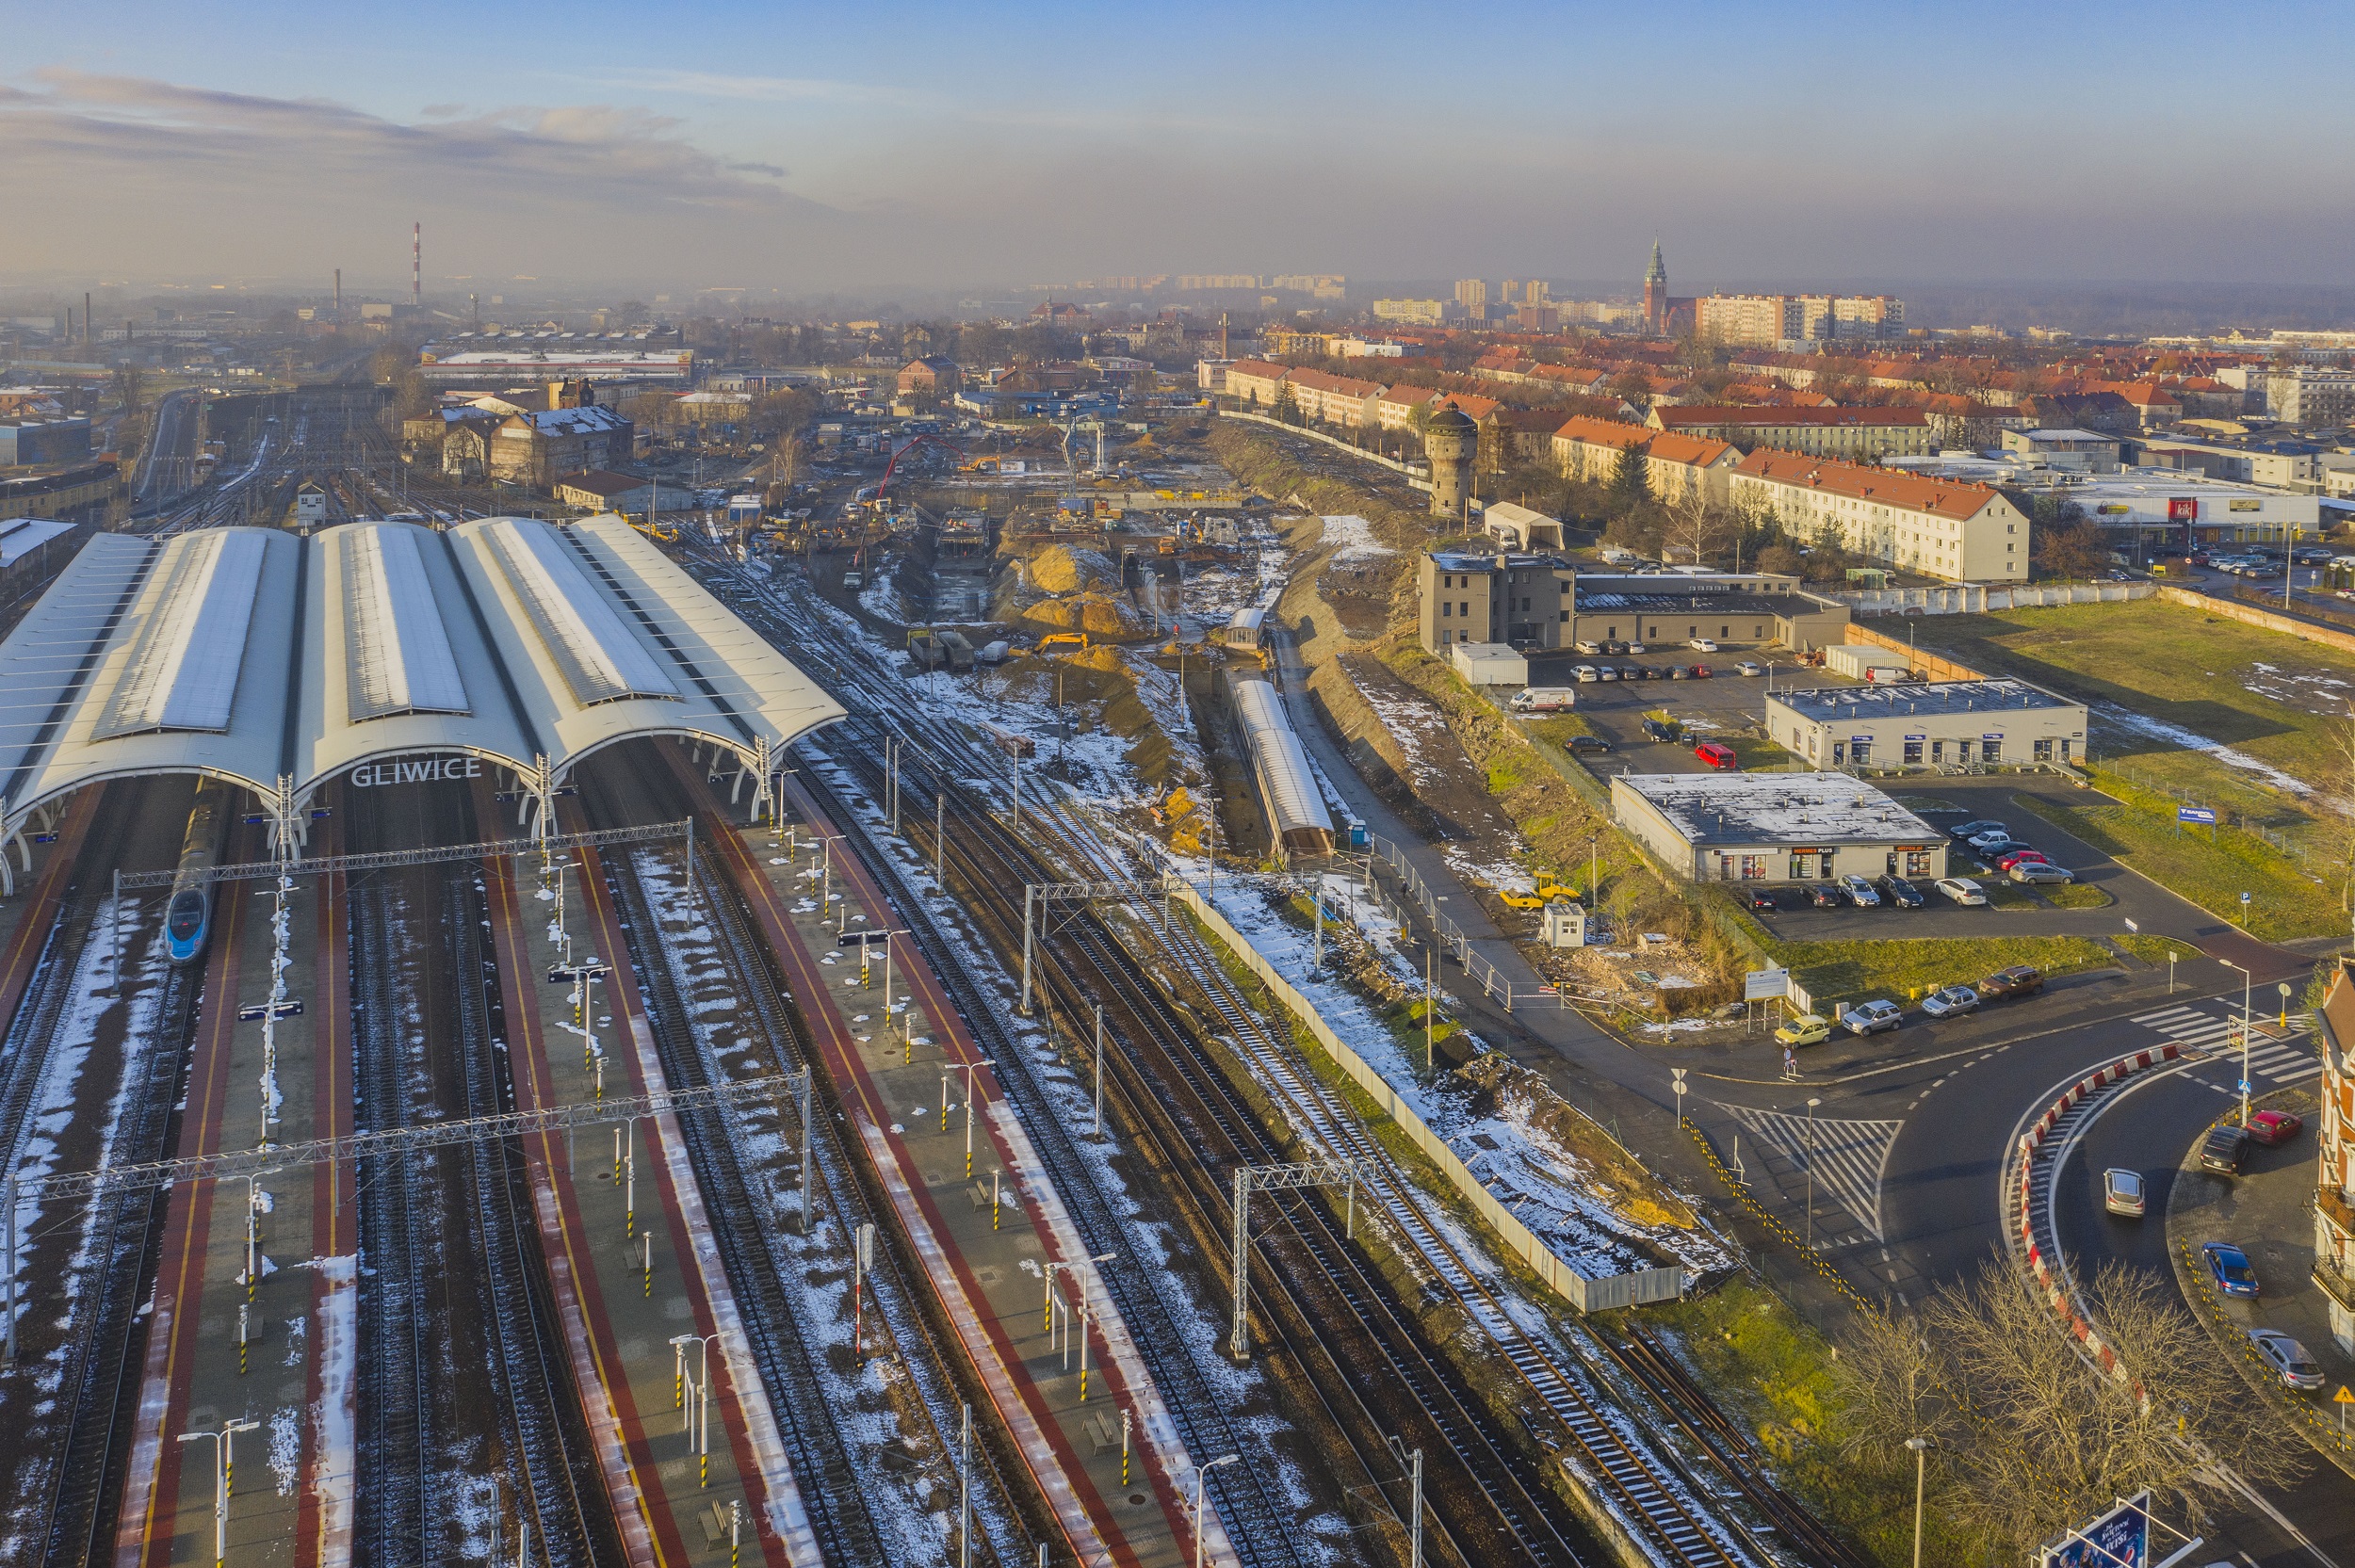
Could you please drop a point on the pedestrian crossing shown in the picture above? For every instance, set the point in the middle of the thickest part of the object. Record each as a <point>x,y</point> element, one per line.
<point>2275,1062</point>
<point>1848,1156</point>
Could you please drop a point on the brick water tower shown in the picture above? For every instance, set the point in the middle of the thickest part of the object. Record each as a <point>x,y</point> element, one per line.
<point>1450,442</point>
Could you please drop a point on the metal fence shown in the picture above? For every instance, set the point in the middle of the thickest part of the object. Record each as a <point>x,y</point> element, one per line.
<point>2280,843</point>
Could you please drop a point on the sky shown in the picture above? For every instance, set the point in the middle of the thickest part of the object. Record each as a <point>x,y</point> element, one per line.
<point>862,149</point>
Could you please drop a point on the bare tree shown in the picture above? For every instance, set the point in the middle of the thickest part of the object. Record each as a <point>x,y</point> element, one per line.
<point>1697,524</point>
<point>2335,793</point>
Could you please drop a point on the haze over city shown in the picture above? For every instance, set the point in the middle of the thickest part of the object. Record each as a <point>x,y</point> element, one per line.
<point>814,148</point>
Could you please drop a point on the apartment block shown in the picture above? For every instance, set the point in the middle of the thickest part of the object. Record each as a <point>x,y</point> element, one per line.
<point>1938,527</point>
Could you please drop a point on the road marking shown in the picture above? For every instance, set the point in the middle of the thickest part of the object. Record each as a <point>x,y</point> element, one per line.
<point>1849,1156</point>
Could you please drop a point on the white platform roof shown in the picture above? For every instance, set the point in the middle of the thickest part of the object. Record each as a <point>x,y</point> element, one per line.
<point>255,655</point>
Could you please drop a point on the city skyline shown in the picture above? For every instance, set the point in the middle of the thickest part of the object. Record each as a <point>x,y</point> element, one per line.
<point>922,147</point>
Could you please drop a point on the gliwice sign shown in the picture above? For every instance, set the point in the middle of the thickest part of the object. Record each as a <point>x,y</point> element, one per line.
<point>375,775</point>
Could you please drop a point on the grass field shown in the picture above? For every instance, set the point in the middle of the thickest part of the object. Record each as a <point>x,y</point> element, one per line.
<point>1905,969</point>
<point>2075,895</point>
<point>2212,873</point>
<point>2171,663</point>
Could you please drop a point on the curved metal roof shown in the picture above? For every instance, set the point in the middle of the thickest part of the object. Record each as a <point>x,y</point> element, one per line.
<point>253,655</point>
<point>1295,805</point>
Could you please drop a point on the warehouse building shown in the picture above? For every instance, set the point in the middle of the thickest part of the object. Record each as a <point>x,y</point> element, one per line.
<point>1753,609</point>
<point>29,442</point>
<point>1931,725</point>
<point>1774,827</point>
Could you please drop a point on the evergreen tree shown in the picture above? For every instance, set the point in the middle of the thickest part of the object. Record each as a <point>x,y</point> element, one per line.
<point>1629,487</point>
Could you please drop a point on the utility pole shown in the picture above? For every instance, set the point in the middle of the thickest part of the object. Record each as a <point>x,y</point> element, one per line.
<point>1097,1131</point>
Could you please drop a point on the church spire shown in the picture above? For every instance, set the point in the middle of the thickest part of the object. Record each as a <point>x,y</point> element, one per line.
<point>1659,270</point>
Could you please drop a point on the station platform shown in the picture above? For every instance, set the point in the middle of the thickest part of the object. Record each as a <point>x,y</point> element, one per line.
<point>1011,1273</point>
<point>621,1302</point>
<point>196,1374</point>
<point>26,914</point>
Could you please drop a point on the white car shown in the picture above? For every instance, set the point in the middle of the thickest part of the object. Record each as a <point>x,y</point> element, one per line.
<point>2122,1193</point>
<point>1962,890</point>
<point>1952,1001</point>
<point>1606,671</point>
<point>1634,647</point>
<point>1750,667</point>
<point>1586,674</point>
<point>2287,1357</point>
<point>1701,645</point>
<point>1871,1017</point>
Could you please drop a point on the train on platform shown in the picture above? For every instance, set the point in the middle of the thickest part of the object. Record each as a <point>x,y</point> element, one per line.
<point>188,916</point>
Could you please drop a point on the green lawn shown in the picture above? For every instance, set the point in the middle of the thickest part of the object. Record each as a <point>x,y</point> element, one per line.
<point>2211,873</point>
<point>1907,969</point>
<point>2173,664</point>
<point>2075,895</point>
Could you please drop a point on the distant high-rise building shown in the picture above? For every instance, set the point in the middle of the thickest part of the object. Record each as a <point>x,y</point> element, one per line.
<point>1656,294</point>
<point>1473,294</point>
<point>1764,319</point>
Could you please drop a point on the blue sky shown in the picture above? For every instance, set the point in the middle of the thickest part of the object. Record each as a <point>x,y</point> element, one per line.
<point>809,148</point>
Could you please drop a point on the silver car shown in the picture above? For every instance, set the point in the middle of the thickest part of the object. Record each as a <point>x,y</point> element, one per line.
<point>1871,1017</point>
<point>1950,1002</point>
<point>1962,890</point>
<point>1860,893</point>
<point>2122,1193</point>
<point>2287,1357</point>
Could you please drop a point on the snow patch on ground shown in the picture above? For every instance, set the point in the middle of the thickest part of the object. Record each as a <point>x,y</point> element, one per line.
<point>1354,539</point>
<point>2175,734</point>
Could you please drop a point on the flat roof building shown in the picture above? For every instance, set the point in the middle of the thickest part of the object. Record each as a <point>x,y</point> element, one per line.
<point>1944,726</point>
<point>1774,827</point>
<point>29,442</point>
<point>1519,599</point>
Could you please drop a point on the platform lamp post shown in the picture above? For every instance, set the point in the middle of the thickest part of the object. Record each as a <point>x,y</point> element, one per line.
<point>1201,1474</point>
<point>223,1478</point>
<point>698,1417</point>
<point>970,1069</point>
<point>1921,1446</point>
<point>1087,1299</point>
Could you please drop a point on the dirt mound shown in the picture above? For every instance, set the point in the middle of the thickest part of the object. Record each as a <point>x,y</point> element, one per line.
<point>1571,1137</point>
<point>1096,614</point>
<point>1060,568</point>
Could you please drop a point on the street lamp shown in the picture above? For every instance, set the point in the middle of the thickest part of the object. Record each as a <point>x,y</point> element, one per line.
<point>2247,979</point>
<point>223,1476</point>
<point>1201,1472</point>
<point>1812,1104</point>
<point>1921,1446</point>
<point>698,1420</point>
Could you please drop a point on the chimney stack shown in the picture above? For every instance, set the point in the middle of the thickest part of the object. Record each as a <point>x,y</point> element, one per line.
<point>416,264</point>
<point>87,335</point>
<point>339,294</point>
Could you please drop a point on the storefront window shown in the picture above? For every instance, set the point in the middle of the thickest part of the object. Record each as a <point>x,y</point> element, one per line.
<point>1917,862</point>
<point>1802,867</point>
<point>1991,750</point>
<point>1753,867</point>
<point>2043,750</point>
<point>1914,750</point>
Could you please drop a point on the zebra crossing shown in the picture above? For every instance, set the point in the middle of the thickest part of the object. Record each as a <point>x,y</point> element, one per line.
<point>2274,1062</point>
<point>1848,1156</point>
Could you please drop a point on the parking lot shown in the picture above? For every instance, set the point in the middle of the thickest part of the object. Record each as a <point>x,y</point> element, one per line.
<point>1727,706</point>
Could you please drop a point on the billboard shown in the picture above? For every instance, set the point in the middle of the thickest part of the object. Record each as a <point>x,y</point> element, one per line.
<point>2183,509</point>
<point>2119,1539</point>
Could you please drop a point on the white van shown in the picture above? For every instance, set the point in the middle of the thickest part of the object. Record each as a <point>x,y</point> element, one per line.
<point>1543,699</point>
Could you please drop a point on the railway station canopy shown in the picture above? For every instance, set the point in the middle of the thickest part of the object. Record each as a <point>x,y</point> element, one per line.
<point>279,662</point>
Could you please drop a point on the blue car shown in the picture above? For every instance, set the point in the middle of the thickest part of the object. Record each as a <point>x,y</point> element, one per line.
<point>2229,1267</point>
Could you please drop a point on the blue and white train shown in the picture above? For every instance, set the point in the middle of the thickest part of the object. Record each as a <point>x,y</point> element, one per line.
<point>188,917</point>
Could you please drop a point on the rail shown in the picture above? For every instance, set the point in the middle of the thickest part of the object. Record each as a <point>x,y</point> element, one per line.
<point>498,848</point>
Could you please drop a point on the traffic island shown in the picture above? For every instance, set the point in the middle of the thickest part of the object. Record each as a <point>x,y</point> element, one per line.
<point>2265,1212</point>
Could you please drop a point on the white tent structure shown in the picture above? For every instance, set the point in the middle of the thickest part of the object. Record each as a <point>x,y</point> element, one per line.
<point>278,662</point>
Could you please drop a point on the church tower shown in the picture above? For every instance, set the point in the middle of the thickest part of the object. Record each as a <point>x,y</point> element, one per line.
<point>1656,295</point>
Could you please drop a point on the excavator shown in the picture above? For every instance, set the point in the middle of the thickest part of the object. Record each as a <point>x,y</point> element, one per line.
<point>1548,891</point>
<point>1055,640</point>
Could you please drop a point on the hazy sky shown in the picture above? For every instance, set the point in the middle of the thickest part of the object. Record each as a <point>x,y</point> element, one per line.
<point>878,145</point>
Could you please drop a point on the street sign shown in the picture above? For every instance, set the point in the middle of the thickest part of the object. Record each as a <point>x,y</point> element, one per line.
<point>2343,1397</point>
<point>1759,985</point>
<point>2196,814</point>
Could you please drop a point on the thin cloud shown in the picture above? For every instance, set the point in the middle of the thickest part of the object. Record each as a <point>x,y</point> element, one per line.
<point>761,90</point>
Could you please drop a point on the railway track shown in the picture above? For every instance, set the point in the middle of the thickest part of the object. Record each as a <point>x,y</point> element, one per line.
<point>757,1260</point>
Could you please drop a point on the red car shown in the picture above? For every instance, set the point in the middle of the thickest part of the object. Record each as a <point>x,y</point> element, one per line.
<point>1700,671</point>
<point>2006,863</point>
<point>2271,1127</point>
<point>1717,754</point>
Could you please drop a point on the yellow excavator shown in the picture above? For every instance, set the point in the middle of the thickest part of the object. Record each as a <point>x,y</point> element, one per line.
<point>1548,891</point>
<point>1058,639</point>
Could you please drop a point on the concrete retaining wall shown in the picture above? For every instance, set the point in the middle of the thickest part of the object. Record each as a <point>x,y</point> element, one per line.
<point>1938,669</point>
<point>1313,434</point>
<point>1588,1295</point>
<point>2249,615</point>
<point>1978,598</point>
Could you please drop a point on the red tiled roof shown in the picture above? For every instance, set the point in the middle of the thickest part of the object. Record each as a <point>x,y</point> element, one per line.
<point>1705,416</point>
<point>1882,486</point>
<point>1603,432</point>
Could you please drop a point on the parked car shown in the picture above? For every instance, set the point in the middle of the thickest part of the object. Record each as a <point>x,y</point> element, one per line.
<point>1634,647</point>
<point>1806,1029</point>
<point>2273,1128</point>
<point>1717,754</point>
<point>2221,1151</point>
<point>2040,871</point>
<point>1585,674</point>
<point>2122,1193</point>
<point>2229,1267</point>
<point>1606,671</point>
<point>1589,743</point>
<point>1750,667</point>
<point>1970,830</point>
<point>1645,672</point>
<point>1661,729</point>
<point>2287,1358</point>
<point>2018,981</point>
<point>1951,1001</point>
<point>1824,895</point>
<point>1677,673</point>
<point>1900,893</point>
<point>1700,671</point>
<point>1763,901</point>
<point>2011,858</point>
<point>1962,890</point>
<point>1859,892</point>
<point>1630,672</point>
<point>1989,854</point>
<point>1589,645</point>
<point>1701,645</point>
<point>1614,647</point>
<point>1988,840</point>
<point>1871,1017</point>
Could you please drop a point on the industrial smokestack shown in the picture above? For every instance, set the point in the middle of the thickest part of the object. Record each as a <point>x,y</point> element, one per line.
<point>339,294</point>
<point>416,264</point>
<point>86,330</point>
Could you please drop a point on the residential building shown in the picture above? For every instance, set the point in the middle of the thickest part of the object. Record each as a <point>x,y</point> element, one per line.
<point>1775,827</point>
<point>1854,434</point>
<point>1733,609</point>
<point>1522,600</point>
<point>2079,451</point>
<point>537,449</point>
<point>2311,394</point>
<point>933,374</point>
<point>1472,296</point>
<point>600,490</point>
<point>536,359</point>
<point>1255,384</point>
<point>1420,313</point>
<point>2335,1146</point>
<point>1937,527</point>
<point>1940,725</point>
<point>1211,374</point>
<point>1675,465</point>
<point>29,442</point>
<point>1342,400</point>
<point>1202,283</point>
